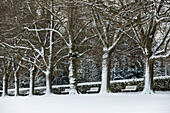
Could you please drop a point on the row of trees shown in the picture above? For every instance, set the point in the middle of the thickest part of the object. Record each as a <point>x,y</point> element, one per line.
<point>42,35</point>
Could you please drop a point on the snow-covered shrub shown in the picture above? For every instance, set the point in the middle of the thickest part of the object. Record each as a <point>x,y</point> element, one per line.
<point>160,83</point>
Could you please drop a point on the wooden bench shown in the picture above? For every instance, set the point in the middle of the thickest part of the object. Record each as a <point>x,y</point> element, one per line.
<point>93,89</point>
<point>130,88</point>
<point>66,90</point>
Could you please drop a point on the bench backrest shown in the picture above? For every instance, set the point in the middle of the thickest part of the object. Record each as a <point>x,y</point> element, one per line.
<point>94,88</point>
<point>67,90</point>
<point>131,87</point>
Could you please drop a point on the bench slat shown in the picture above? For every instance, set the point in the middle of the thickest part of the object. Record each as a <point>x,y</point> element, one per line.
<point>93,89</point>
<point>130,88</point>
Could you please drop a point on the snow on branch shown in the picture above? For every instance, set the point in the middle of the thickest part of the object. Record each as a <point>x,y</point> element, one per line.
<point>48,29</point>
<point>81,54</point>
<point>164,40</point>
<point>160,56</point>
<point>60,59</point>
<point>137,36</point>
<point>16,47</point>
<point>37,50</point>
<point>118,38</point>
<point>1,56</point>
<point>164,49</point>
<point>24,66</point>
<point>32,46</point>
<point>134,39</point>
<point>95,20</point>
<point>17,68</point>
<point>87,38</point>
<point>29,61</point>
<point>81,30</point>
<point>59,51</point>
<point>29,8</point>
<point>2,45</point>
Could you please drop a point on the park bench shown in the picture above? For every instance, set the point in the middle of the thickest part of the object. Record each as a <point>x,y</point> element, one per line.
<point>66,90</point>
<point>93,89</point>
<point>130,88</point>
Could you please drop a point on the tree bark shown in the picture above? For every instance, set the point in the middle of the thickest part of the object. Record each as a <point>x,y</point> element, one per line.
<point>72,76</point>
<point>32,80</point>
<point>105,83</point>
<point>148,80</point>
<point>5,85</point>
<point>108,73</point>
<point>72,54</point>
<point>48,83</point>
<point>16,83</point>
<point>166,69</point>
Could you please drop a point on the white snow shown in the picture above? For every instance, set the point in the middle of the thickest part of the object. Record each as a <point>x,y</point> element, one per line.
<point>110,103</point>
<point>1,56</point>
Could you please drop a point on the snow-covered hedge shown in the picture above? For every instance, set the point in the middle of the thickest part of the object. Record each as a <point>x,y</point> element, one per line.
<point>160,84</point>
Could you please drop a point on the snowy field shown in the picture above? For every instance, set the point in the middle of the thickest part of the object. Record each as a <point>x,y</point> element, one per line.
<point>111,103</point>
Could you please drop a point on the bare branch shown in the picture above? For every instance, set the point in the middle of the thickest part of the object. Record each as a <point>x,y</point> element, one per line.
<point>81,30</point>
<point>49,29</point>
<point>163,40</point>
<point>16,47</point>
<point>160,56</point>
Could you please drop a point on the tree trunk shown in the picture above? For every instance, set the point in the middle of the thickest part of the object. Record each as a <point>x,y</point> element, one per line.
<point>5,85</point>
<point>105,83</point>
<point>32,80</point>
<point>72,76</point>
<point>16,83</point>
<point>166,69</point>
<point>75,73</point>
<point>148,81</point>
<point>108,72</point>
<point>73,55</point>
<point>48,83</point>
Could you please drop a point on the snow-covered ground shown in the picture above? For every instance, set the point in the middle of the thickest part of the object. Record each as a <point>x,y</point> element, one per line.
<point>94,103</point>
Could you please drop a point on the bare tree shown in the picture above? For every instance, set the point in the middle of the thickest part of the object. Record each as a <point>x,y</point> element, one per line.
<point>43,53</point>
<point>108,31</point>
<point>70,31</point>
<point>11,19</point>
<point>149,23</point>
<point>6,69</point>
